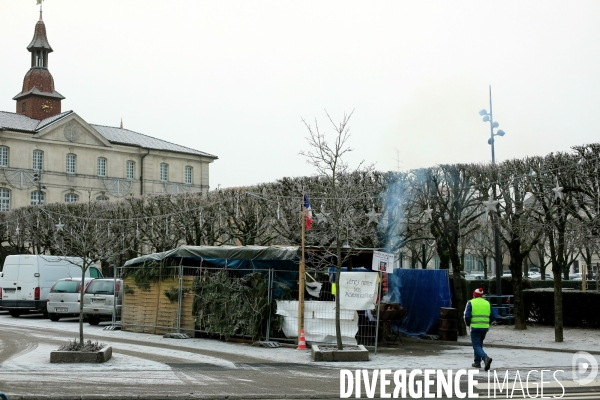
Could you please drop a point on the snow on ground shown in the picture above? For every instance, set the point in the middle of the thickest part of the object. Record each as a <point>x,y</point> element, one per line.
<point>435,356</point>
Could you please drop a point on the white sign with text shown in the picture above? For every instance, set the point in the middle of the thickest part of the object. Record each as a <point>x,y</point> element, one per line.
<point>383,262</point>
<point>358,290</point>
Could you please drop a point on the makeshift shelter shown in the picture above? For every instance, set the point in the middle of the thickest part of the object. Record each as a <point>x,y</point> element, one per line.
<point>158,294</point>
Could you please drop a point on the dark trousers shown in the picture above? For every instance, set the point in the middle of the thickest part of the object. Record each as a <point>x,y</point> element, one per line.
<point>477,336</point>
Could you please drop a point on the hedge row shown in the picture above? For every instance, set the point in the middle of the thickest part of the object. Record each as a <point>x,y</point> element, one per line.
<point>489,286</point>
<point>580,309</point>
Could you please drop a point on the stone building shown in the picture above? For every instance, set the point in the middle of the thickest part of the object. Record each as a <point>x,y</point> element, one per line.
<point>47,155</point>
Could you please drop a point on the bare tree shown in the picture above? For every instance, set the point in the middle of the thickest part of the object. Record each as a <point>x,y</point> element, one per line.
<point>449,205</point>
<point>79,232</point>
<point>552,183</point>
<point>517,227</point>
<point>342,201</point>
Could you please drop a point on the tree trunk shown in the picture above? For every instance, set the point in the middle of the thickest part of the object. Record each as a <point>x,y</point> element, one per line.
<point>458,300</point>
<point>83,269</point>
<point>519,304</point>
<point>516,263</point>
<point>338,329</point>
<point>485,268</point>
<point>558,310</point>
<point>542,264</point>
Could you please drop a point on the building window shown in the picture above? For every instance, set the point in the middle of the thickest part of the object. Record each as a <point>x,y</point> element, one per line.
<point>23,107</point>
<point>188,175</point>
<point>71,198</point>
<point>101,166</point>
<point>101,198</point>
<point>4,199</point>
<point>38,160</point>
<point>71,162</point>
<point>130,170</point>
<point>468,262</point>
<point>164,172</point>
<point>37,197</point>
<point>3,156</point>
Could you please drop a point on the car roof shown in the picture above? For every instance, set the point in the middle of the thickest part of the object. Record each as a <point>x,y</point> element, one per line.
<point>75,279</point>
<point>108,279</point>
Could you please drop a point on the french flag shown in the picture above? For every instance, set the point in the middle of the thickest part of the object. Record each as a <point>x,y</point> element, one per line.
<point>308,212</point>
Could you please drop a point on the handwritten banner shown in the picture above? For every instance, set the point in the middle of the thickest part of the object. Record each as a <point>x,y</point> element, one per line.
<point>358,290</point>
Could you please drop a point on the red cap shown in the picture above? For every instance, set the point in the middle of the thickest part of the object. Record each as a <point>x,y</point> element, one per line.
<point>478,292</point>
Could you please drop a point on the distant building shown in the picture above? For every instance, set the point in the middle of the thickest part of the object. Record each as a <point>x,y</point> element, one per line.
<point>47,155</point>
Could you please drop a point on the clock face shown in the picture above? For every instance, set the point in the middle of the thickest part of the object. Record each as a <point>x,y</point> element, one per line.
<point>47,106</point>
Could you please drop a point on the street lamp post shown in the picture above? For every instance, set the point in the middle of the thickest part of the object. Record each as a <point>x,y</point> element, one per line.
<point>493,124</point>
<point>37,179</point>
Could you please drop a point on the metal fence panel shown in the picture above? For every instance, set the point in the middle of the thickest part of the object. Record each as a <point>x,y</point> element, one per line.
<point>220,302</point>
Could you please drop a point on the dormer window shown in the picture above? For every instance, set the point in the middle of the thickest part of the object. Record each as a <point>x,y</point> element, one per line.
<point>23,106</point>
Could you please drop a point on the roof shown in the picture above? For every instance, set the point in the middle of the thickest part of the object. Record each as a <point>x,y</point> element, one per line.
<point>36,91</point>
<point>117,135</point>
<point>289,253</point>
<point>40,40</point>
<point>22,123</point>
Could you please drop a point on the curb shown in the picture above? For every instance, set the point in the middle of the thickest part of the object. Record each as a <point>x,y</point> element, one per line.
<point>499,345</point>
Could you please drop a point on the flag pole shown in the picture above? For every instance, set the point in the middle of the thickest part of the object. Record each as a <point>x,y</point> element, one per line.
<point>301,277</point>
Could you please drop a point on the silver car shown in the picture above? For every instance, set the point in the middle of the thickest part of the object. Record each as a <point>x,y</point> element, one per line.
<point>64,298</point>
<point>100,300</point>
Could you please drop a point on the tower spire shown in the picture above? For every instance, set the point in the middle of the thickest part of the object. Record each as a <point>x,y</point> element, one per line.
<point>38,99</point>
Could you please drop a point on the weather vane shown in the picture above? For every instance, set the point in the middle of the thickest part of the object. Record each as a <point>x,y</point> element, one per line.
<point>39,2</point>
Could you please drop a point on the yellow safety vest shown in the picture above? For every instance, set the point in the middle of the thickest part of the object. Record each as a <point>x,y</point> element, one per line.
<point>480,313</point>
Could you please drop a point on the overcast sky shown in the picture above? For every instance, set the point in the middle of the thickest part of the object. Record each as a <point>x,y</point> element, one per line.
<point>235,78</point>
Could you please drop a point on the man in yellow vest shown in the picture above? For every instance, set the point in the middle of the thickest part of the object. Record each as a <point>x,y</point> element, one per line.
<point>477,315</point>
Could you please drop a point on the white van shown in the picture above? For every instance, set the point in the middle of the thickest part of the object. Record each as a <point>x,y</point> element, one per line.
<point>27,279</point>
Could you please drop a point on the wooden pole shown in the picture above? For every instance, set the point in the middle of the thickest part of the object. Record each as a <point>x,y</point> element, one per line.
<point>301,278</point>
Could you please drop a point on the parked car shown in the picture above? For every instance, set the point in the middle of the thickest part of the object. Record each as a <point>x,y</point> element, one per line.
<point>27,278</point>
<point>576,277</point>
<point>65,297</point>
<point>101,298</point>
<point>474,277</point>
<point>538,276</point>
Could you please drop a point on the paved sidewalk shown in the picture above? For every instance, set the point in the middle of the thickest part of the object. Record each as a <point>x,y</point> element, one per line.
<point>541,338</point>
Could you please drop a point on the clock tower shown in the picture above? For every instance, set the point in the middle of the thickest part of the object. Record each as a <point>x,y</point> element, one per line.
<point>38,99</point>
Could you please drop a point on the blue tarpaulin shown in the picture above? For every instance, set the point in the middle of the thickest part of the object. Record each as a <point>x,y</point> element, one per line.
<point>422,292</point>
